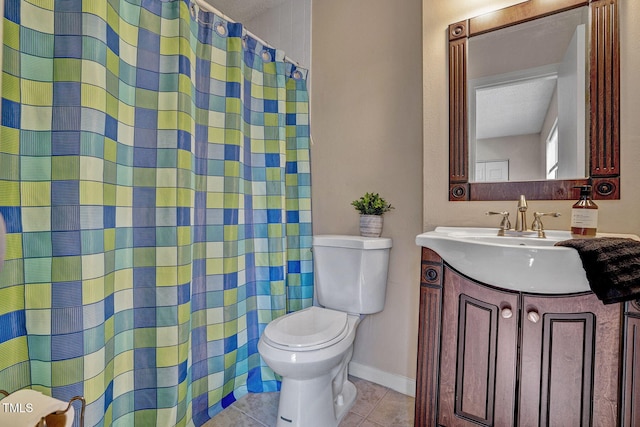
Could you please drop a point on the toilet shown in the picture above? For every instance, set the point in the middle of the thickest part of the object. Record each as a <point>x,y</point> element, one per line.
<point>311,348</point>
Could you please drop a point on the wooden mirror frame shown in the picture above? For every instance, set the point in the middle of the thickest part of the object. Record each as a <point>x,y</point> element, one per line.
<point>604,105</point>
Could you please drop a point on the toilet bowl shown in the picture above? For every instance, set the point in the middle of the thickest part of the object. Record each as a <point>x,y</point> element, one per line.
<point>315,391</point>
<point>311,348</point>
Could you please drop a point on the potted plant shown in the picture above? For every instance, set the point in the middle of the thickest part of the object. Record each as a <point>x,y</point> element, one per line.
<point>371,207</point>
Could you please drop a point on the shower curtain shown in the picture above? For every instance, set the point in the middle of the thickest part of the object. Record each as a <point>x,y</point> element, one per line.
<point>155,182</point>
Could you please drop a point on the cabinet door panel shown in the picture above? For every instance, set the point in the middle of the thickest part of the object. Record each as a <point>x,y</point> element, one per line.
<point>478,354</point>
<point>569,362</point>
<point>631,385</point>
<point>567,368</point>
<point>475,373</point>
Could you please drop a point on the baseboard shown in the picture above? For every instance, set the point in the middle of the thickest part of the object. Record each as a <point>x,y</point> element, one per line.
<point>395,382</point>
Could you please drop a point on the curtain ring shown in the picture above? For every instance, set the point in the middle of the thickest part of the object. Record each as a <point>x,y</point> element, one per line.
<point>221,29</point>
<point>266,55</point>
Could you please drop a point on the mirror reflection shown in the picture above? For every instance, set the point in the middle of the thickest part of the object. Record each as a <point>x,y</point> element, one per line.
<point>528,106</point>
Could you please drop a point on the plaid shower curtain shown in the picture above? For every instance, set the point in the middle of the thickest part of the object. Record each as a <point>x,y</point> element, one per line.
<point>155,182</point>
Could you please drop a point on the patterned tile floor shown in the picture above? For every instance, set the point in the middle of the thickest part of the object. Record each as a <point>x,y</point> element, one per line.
<point>376,406</point>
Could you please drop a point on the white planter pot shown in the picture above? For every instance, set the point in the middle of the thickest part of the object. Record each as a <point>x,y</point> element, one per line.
<point>370,225</point>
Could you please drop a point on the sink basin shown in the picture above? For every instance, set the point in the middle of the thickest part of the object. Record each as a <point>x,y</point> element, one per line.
<point>516,261</point>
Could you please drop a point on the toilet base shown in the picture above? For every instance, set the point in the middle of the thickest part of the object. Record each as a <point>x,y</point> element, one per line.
<point>311,403</point>
<point>349,394</point>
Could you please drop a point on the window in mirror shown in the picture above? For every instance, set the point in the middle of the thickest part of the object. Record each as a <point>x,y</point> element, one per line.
<point>552,152</point>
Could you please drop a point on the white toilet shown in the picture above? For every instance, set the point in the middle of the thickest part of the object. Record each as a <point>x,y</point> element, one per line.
<point>311,348</point>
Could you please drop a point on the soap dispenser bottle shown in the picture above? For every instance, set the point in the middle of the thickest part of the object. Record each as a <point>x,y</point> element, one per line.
<point>584,214</point>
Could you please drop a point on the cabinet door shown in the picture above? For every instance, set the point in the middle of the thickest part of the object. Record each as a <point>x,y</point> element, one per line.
<point>478,354</point>
<point>631,364</point>
<point>570,355</point>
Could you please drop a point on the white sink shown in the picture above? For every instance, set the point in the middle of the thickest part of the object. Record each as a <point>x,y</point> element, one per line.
<point>516,261</point>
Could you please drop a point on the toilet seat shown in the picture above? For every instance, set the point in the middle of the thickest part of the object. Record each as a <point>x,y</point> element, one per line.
<point>310,329</point>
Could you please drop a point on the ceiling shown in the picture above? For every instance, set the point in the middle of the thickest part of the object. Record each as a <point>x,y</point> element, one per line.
<point>243,11</point>
<point>513,109</point>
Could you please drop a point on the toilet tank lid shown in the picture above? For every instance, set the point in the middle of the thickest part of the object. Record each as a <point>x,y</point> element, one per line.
<point>352,242</point>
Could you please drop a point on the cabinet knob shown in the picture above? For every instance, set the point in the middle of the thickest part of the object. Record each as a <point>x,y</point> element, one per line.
<point>533,316</point>
<point>506,313</point>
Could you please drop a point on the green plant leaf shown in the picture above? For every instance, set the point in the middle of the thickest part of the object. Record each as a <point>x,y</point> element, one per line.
<point>371,204</point>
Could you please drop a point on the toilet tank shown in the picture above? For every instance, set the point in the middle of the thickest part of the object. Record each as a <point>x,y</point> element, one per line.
<point>351,272</point>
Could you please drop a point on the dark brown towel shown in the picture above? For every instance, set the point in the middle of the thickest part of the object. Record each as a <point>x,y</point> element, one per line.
<point>612,265</point>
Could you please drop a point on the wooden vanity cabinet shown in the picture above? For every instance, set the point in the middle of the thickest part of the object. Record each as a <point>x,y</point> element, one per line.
<point>492,357</point>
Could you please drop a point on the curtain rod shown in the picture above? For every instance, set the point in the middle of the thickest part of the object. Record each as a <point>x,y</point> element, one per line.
<point>202,4</point>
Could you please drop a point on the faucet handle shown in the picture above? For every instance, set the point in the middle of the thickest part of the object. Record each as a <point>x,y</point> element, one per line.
<point>505,224</point>
<point>537,222</point>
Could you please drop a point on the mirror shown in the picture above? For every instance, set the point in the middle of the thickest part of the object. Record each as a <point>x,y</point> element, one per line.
<point>527,102</point>
<point>534,102</point>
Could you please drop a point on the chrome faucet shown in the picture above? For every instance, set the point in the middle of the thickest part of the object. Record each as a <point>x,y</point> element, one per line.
<point>521,218</point>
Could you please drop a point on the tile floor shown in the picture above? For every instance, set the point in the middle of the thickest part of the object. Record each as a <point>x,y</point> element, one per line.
<point>376,406</point>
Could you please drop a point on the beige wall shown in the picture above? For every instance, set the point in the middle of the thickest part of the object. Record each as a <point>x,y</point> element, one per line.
<point>366,122</point>
<point>615,216</point>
